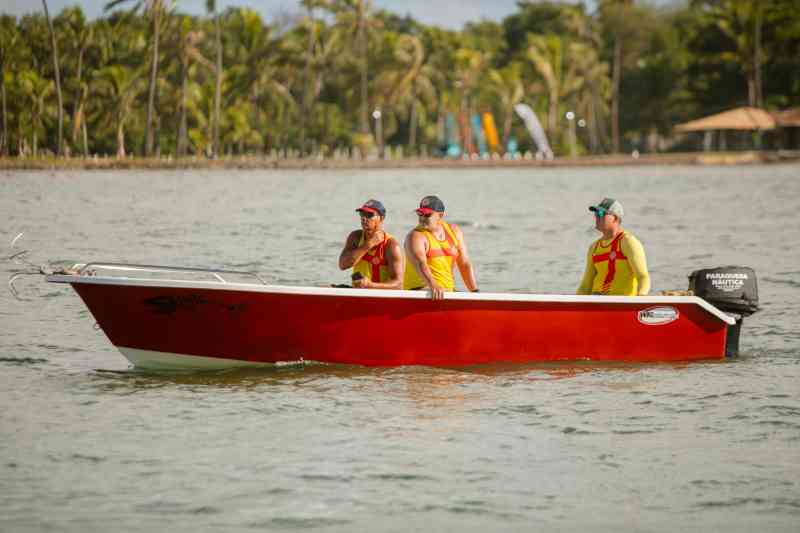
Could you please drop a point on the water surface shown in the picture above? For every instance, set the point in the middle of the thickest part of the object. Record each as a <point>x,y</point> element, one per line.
<point>86,444</point>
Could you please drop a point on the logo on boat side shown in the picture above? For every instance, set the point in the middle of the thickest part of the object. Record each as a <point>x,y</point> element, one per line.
<point>167,305</point>
<point>657,316</point>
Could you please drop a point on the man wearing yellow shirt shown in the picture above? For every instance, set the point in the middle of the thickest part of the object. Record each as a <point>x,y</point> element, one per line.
<point>615,263</point>
<point>433,249</point>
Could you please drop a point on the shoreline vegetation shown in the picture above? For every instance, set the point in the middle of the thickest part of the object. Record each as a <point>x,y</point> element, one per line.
<point>274,162</point>
<point>588,83</point>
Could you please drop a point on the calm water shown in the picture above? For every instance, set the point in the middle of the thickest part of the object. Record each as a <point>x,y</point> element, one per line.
<point>86,444</point>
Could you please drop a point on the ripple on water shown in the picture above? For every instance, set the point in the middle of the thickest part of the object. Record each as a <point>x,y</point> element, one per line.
<point>767,504</point>
<point>401,477</point>
<point>298,522</point>
<point>789,282</point>
<point>23,361</point>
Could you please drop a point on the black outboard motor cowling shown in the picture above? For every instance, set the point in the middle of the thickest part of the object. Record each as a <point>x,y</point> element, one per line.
<point>732,289</point>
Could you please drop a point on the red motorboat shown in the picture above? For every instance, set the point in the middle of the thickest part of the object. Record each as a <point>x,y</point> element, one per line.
<point>168,317</point>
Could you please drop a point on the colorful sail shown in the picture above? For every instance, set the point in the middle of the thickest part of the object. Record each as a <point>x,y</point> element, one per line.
<point>452,134</point>
<point>535,129</point>
<point>477,133</point>
<point>490,130</point>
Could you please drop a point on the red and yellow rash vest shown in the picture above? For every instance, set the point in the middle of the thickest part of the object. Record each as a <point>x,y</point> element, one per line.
<point>617,267</point>
<point>373,264</point>
<point>440,257</point>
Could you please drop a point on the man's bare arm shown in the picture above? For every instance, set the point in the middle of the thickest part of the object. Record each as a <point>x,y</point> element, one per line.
<point>464,263</point>
<point>352,252</point>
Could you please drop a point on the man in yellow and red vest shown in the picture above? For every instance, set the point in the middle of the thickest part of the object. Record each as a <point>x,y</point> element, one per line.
<point>615,264</point>
<point>433,248</point>
<point>375,256</point>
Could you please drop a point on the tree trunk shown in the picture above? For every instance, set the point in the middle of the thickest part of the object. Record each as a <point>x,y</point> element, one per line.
<point>182,128</point>
<point>120,140</point>
<point>151,97</point>
<point>304,104</point>
<point>617,76</point>
<point>58,80</point>
<point>77,105</point>
<point>85,140</point>
<point>509,116</point>
<point>35,126</point>
<point>593,142</point>
<point>218,90</point>
<point>412,121</point>
<point>362,45</point>
<point>759,100</point>
<point>4,139</point>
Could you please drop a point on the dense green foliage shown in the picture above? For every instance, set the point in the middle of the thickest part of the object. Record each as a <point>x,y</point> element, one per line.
<point>629,70</point>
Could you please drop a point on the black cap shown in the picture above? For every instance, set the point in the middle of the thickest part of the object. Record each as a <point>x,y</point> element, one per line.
<point>430,204</point>
<point>373,206</point>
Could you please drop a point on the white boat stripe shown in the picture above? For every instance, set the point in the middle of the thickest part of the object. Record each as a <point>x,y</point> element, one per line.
<point>363,293</point>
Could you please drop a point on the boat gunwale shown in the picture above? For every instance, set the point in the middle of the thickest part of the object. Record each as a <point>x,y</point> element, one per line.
<point>362,293</point>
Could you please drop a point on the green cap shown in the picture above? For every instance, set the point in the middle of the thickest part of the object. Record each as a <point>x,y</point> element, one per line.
<point>609,205</point>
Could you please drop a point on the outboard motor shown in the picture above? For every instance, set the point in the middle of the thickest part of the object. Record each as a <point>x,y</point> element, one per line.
<point>732,289</point>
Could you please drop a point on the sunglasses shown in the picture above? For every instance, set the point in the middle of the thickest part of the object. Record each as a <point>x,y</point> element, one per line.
<point>425,215</point>
<point>366,214</point>
<point>600,212</point>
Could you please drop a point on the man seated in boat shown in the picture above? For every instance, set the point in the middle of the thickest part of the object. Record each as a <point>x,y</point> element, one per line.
<point>433,248</point>
<point>375,256</point>
<point>615,264</point>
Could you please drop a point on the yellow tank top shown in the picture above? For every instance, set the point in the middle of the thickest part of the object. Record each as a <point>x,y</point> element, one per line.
<point>440,258</point>
<point>373,264</point>
<point>614,274</point>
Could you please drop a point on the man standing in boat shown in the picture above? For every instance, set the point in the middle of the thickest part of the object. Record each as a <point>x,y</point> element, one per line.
<point>375,256</point>
<point>433,248</point>
<point>615,264</point>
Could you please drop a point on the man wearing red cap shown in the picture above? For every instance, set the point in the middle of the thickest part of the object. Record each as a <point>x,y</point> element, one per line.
<point>433,248</point>
<point>374,255</point>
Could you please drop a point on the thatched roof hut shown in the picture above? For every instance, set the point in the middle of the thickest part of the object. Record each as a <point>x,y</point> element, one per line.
<point>741,118</point>
<point>788,118</point>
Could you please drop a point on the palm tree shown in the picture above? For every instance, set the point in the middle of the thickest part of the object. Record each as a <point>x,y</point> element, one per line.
<point>155,8</point>
<point>469,67</point>
<point>546,52</point>
<point>304,111</point>
<point>122,85</point>
<point>37,89</point>
<point>81,35</point>
<point>620,18</point>
<point>355,13</point>
<point>741,23</point>
<point>507,84</point>
<point>8,41</point>
<point>187,45</point>
<point>593,87</point>
<point>211,8</point>
<point>318,49</point>
<point>58,80</point>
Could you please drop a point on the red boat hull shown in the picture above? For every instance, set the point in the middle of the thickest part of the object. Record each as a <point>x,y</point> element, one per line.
<point>260,326</point>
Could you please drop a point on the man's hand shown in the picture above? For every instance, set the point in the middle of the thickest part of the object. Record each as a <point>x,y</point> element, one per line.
<point>437,292</point>
<point>370,241</point>
<point>362,283</point>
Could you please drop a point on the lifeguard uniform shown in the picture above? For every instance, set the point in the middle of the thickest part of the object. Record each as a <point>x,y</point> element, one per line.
<point>615,267</point>
<point>441,257</point>
<point>373,264</point>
